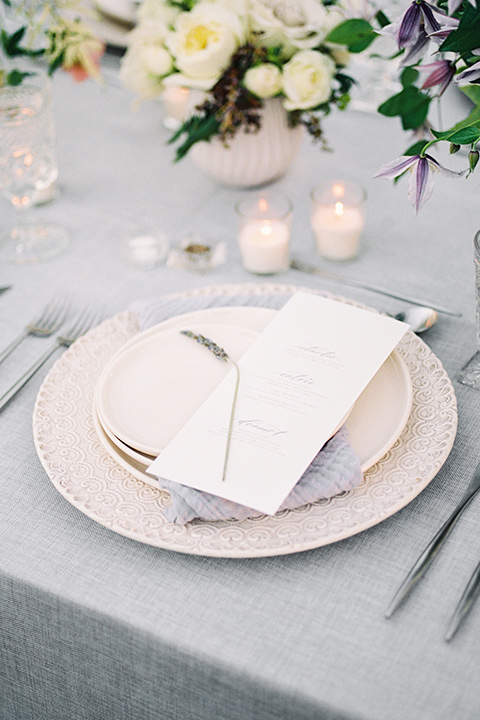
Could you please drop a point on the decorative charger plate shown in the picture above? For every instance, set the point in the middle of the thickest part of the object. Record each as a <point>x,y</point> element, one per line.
<point>84,472</point>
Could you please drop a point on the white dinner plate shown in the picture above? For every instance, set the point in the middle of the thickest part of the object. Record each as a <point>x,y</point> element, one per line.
<point>98,485</point>
<point>150,388</point>
<point>123,11</point>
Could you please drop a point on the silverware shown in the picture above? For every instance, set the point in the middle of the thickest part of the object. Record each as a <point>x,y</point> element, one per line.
<point>4,288</point>
<point>465,603</point>
<point>45,325</point>
<point>82,323</point>
<point>419,318</point>
<point>313,270</point>
<point>425,559</point>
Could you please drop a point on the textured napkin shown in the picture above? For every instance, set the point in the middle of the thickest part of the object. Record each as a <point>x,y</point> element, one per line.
<point>335,468</point>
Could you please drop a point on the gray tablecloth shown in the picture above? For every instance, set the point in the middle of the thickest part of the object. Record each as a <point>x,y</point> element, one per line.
<point>94,625</point>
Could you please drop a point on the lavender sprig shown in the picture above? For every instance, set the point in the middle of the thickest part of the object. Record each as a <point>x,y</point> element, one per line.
<point>220,353</point>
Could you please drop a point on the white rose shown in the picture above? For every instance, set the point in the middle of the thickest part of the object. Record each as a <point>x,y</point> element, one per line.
<point>156,60</point>
<point>293,24</point>
<point>203,42</point>
<point>134,75</point>
<point>158,12</point>
<point>264,80</point>
<point>307,79</point>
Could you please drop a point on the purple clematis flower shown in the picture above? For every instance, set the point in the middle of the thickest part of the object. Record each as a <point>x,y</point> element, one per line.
<point>469,75</point>
<point>447,25</point>
<point>421,182</point>
<point>418,17</point>
<point>440,72</point>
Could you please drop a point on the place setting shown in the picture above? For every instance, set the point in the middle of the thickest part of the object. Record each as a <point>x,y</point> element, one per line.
<point>121,446</point>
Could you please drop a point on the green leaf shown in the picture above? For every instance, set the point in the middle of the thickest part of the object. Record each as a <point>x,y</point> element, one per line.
<point>466,36</point>
<point>416,148</point>
<point>408,76</point>
<point>16,77</point>
<point>196,128</point>
<point>356,34</point>
<point>472,92</point>
<point>382,19</point>
<point>464,136</point>
<point>410,105</point>
<point>11,42</point>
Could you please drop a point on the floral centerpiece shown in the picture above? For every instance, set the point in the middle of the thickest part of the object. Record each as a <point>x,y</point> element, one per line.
<point>438,45</point>
<point>240,54</point>
<point>49,32</point>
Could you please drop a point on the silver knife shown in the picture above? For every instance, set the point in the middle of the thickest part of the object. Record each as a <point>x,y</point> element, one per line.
<point>313,270</point>
<point>431,551</point>
<point>4,288</point>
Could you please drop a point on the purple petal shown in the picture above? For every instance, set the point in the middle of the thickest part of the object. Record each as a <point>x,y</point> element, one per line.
<point>409,25</point>
<point>453,5</point>
<point>431,22</point>
<point>437,167</point>
<point>396,167</point>
<point>469,74</point>
<point>442,73</point>
<point>420,186</point>
<point>415,51</point>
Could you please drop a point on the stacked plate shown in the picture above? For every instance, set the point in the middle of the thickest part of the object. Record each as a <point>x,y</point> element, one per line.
<point>154,383</point>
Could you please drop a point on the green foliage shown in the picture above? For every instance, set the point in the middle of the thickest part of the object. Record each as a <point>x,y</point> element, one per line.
<point>357,34</point>
<point>467,36</point>
<point>416,148</point>
<point>410,105</point>
<point>16,77</point>
<point>196,128</point>
<point>464,136</point>
<point>409,76</point>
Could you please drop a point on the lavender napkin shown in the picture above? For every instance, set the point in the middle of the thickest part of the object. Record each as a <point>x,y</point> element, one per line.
<point>335,469</point>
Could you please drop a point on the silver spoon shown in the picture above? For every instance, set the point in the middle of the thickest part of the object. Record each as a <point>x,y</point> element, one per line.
<point>419,318</point>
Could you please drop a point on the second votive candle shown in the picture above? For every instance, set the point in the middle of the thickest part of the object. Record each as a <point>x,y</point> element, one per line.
<point>264,232</point>
<point>338,219</point>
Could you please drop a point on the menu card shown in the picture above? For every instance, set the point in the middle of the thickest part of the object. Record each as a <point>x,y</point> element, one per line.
<point>298,380</point>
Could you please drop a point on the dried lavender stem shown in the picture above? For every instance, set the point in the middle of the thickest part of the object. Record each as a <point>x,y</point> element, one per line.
<point>220,353</point>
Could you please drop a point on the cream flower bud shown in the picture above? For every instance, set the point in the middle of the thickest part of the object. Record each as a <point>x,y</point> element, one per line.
<point>264,80</point>
<point>156,60</point>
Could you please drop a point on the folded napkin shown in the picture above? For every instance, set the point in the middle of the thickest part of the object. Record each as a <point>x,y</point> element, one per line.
<point>335,468</point>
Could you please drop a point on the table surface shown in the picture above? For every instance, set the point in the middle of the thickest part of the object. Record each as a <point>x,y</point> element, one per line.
<point>95,625</point>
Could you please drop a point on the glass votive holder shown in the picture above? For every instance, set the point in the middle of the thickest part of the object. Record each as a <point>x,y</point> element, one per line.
<point>146,249</point>
<point>338,218</point>
<point>265,221</point>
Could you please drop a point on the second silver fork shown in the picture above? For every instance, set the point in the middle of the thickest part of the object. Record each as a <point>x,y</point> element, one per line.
<point>45,325</point>
<point>82,323</point>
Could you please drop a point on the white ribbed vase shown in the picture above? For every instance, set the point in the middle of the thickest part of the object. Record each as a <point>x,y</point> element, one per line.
<point>254,158</point>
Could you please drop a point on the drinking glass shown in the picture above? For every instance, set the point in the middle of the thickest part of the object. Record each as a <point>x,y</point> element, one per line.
<point>28,166</point>
<point>470,373</point>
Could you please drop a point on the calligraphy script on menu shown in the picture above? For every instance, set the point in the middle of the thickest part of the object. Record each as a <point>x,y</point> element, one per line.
<point>298,380</point>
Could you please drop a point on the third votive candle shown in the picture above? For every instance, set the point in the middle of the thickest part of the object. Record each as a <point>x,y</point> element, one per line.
<point>338,219</point>
<point>264,232</point>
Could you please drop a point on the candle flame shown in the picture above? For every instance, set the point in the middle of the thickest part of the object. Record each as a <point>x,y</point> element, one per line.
<point>338,209</point>
<point>263,205</point>
<point>266,229</point>
<point>338,190</point>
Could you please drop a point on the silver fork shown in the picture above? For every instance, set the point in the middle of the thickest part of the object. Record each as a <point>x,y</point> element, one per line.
<point>80,325</point>
<point>45,325</point>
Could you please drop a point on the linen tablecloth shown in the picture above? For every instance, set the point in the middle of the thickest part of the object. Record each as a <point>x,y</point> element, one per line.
<point>94,625</point>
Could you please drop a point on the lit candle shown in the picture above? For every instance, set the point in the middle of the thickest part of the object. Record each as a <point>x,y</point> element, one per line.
<point>264,233</point>
<point>175,100</point>
<point>338,219</point>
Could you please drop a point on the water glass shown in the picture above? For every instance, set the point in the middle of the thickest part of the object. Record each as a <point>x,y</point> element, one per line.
<point>470,373</point>
<point>28,166</point>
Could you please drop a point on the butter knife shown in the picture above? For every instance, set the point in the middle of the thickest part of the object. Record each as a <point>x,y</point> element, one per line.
<point>430,552</point>
<point>313,270</point>
<point>4,288</point>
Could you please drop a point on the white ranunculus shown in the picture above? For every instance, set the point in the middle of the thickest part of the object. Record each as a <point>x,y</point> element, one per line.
<point>203,42</point>
<point>156,11</point>
<point>264,80</point>
<point>156,59</point>
<point>293,24</point>
<point>307,80</point>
